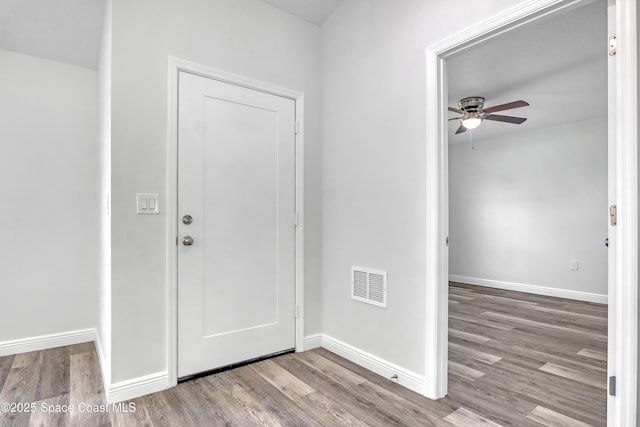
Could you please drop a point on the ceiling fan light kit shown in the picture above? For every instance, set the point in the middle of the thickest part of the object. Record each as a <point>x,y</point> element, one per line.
<point>474,113</point>
<point>471,120</point>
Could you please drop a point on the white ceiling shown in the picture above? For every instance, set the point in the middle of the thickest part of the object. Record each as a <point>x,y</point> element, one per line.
<point>66,31</point>
<point>69,31</point>
<point>558,65</point>
<point>314,11</point>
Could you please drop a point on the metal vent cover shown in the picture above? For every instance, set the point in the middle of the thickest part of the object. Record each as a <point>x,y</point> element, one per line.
<point>369,286</point>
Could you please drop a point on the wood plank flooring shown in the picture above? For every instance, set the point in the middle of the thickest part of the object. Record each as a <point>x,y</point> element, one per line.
<point>515,360</point>
<point>526,360</point>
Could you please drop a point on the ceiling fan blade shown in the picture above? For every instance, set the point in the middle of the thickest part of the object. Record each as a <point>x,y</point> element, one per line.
<point>461,129</point>
<point>506,119</point>
<point>454,118</point>
<point>508,106</point>
<point>455,110</point>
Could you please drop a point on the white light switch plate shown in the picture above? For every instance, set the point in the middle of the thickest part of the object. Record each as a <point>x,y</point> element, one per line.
<point>147,203</point>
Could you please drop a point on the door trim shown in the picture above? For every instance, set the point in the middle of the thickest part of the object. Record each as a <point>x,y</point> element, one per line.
<point>174,66</point>
<point>623,411</point>
<point>622,408</point>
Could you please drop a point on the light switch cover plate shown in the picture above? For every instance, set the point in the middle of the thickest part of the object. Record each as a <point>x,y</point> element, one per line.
<point>147,203</point>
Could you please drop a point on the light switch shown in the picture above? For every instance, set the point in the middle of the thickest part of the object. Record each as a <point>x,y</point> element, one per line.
<point>147,203</point>
<point>573,264</point>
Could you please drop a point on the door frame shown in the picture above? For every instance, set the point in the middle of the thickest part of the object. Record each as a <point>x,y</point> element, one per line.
<point>621,410</point>
<point>174,66</point>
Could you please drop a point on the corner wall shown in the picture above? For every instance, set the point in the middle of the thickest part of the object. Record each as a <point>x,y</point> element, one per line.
<point>104,209</point>
<point>48,223</point>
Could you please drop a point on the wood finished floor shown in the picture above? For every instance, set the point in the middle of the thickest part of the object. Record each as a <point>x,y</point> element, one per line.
<point>525,360</point>
<point>514,360</point>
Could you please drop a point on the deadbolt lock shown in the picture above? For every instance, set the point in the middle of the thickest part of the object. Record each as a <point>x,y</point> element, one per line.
<point>187,219</point>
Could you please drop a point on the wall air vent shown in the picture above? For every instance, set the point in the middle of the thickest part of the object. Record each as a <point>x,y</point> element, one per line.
<point>369,286</point>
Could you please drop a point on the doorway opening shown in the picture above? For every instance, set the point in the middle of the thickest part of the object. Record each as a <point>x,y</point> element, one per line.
<point>622,293</point>
<point>527,262</point>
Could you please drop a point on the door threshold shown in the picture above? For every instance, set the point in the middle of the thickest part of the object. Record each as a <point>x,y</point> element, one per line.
<point>234,366</point>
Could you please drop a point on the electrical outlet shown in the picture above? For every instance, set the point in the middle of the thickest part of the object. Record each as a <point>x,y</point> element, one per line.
<point>573,264</point>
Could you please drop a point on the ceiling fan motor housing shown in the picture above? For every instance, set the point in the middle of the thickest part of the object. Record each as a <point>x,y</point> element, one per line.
<point>471,104</point>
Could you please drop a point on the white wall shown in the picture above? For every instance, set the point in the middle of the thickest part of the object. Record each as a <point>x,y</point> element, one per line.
<point>523,205</point>
<point>374,165</point>
<point>48,223</point>
<point>638,89</point>
<point>246,37</point>
<point>104,215</point>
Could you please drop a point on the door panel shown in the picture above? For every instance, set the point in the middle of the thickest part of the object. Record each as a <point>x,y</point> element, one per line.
<point>236,178</point>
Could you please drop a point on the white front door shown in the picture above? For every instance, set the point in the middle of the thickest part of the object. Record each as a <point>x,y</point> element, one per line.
<point>236,207</point>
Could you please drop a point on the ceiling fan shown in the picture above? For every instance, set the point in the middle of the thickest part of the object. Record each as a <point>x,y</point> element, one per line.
<point>473,113</point>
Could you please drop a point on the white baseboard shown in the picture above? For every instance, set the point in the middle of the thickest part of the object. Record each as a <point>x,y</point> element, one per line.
<point>136,387</point>
<point>312,341</point>
<point>105,367</point>
<point>43,342</point>
<point>406,378</point>
<point>131,388</point>
<point>531,289</point>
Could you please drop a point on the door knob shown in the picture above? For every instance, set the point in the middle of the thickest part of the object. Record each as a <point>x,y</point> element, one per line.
<point>187,219</point>
<point>187,240</point>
